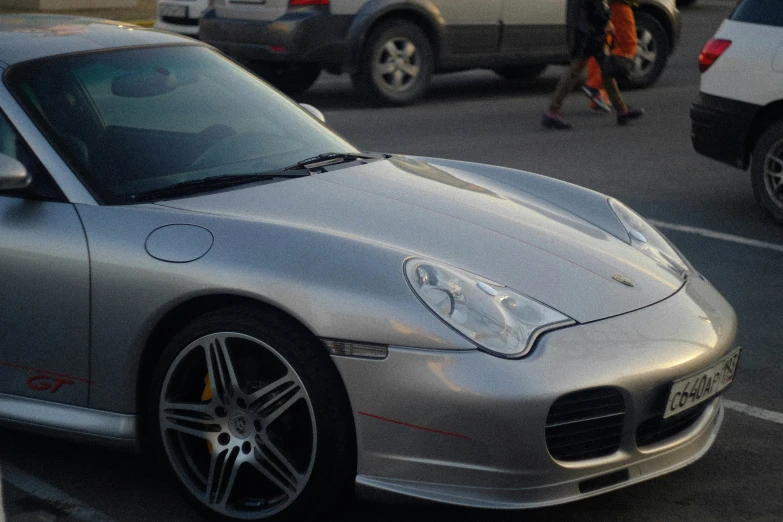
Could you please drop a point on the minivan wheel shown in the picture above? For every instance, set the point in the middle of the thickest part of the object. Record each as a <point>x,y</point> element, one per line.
<point>252,418</point>
<point>291,78</point>
<point>766,171</point>
<point>396,64</point>
<point>651,54</point>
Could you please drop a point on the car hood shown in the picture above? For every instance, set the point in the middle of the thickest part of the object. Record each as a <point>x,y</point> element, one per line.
<point>455,215</point>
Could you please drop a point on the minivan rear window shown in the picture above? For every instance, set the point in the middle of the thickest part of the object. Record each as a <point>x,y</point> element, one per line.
<point>764,12</point>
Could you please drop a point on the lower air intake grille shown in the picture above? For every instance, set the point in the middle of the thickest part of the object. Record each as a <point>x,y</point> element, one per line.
<point>585,424</point>
<point>658,429</point>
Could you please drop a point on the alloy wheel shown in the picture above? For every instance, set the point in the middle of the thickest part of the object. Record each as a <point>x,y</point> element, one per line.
<point>646,53</point>
<point>237,425</point>
<point>397,64</point>
<point>773,173</point>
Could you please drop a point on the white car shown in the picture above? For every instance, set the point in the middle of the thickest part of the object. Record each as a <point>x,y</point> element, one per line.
<point>180,16</point>
<point>739,117</point>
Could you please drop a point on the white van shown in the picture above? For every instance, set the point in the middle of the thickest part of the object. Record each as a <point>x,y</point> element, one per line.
<point>391,48</point>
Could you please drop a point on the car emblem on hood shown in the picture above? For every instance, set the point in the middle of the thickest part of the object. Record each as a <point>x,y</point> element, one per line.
<point>620,278</point>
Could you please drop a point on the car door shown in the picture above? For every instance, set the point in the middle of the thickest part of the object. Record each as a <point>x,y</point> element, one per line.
<point>44,288</point>
<point>535,28</point>
<point>471,26</point>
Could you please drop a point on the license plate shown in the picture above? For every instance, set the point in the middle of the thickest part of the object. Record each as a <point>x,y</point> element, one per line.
<point>174,11</point>
<point>687,393</point>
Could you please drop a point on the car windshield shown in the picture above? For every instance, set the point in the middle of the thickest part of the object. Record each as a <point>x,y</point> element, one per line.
<point>141,120</point>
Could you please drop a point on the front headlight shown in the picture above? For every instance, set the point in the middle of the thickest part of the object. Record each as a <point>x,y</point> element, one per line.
<point>647,239</point>
<point>495,318</point>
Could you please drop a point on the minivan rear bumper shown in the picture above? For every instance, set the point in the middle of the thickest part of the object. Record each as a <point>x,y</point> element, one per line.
<point>306,34</point>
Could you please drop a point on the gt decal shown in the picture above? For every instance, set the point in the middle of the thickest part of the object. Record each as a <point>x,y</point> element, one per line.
<point>45,382</point>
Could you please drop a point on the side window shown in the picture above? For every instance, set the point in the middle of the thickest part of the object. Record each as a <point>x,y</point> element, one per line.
<point>11,144</point>
<point>764,12</point>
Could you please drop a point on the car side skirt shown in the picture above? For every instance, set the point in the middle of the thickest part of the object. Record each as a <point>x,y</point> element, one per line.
<point>68,421</point>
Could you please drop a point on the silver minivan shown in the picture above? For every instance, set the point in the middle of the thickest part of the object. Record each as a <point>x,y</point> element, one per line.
<point>391,48</point>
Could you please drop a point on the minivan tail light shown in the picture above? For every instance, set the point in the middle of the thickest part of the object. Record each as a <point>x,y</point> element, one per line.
<point>308,2</point>
<point>711,52</point>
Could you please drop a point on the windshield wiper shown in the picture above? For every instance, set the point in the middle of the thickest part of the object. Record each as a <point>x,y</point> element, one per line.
<point>332,158</point>
<point>211,182</point>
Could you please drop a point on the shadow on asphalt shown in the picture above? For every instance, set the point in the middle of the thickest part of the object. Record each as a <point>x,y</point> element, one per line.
<point>338,94</point>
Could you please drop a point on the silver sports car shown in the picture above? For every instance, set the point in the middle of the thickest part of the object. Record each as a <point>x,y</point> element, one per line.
<point>195,265</point>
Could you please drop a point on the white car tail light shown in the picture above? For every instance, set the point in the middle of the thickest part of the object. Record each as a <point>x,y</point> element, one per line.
<point>711,52</point>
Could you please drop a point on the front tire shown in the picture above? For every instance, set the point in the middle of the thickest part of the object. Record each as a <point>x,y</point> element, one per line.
<point>651,55</point>
<point>251,416</point>
<point>396,65</point>
<point>766,171</point>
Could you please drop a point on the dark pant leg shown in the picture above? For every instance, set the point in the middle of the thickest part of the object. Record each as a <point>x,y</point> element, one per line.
<point>610,84</point>
<point>567,83</point>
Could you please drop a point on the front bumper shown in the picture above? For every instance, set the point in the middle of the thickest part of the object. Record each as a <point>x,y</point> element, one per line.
<point>720,129</point>
<point>468,428</point>
<point>307,34</point>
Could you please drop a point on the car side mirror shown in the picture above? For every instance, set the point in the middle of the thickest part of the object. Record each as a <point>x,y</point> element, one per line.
<point>315,112</point>
<point>13,175</point>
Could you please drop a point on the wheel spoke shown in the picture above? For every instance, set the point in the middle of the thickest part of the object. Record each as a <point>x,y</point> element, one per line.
<point>223,468</point>
<point>222,378</point>
<point>270,409</point>
<point>397,78</point>
<point>275,410</point>
<point>648,55</point>
<point>189,418</point>
<point>646,38</point>
<point>391,48</point>
<point>409,50</point>
<point>286,464</point>
<point>385,68</point>
<point>775,159</point>
<point>638,63</point>
<point>275,467</point>
<point>257,398</point>
<point>410,70</point>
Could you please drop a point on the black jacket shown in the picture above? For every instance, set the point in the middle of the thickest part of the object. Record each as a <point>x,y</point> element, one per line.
<point>586,24</point>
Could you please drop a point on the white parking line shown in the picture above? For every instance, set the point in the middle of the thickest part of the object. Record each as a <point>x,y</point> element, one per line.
<point>37,488</point>
<point>717,235</point>
<point>759,413</point>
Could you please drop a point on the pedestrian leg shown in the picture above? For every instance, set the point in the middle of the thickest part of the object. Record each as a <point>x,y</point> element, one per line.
<point>567,84</point>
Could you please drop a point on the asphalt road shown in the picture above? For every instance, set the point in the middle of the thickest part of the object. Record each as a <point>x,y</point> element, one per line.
<point>651,166</point>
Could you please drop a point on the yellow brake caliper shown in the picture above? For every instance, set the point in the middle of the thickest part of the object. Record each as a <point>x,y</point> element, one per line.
<point>206,396</point>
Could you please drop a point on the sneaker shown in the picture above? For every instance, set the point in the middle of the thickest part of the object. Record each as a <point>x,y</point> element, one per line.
<point>596,99</point>
<point>630,114</point>
<point>550,120</point>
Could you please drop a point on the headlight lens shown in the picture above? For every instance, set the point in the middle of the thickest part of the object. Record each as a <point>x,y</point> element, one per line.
<point>496,318</point>
<point>647,239</point>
